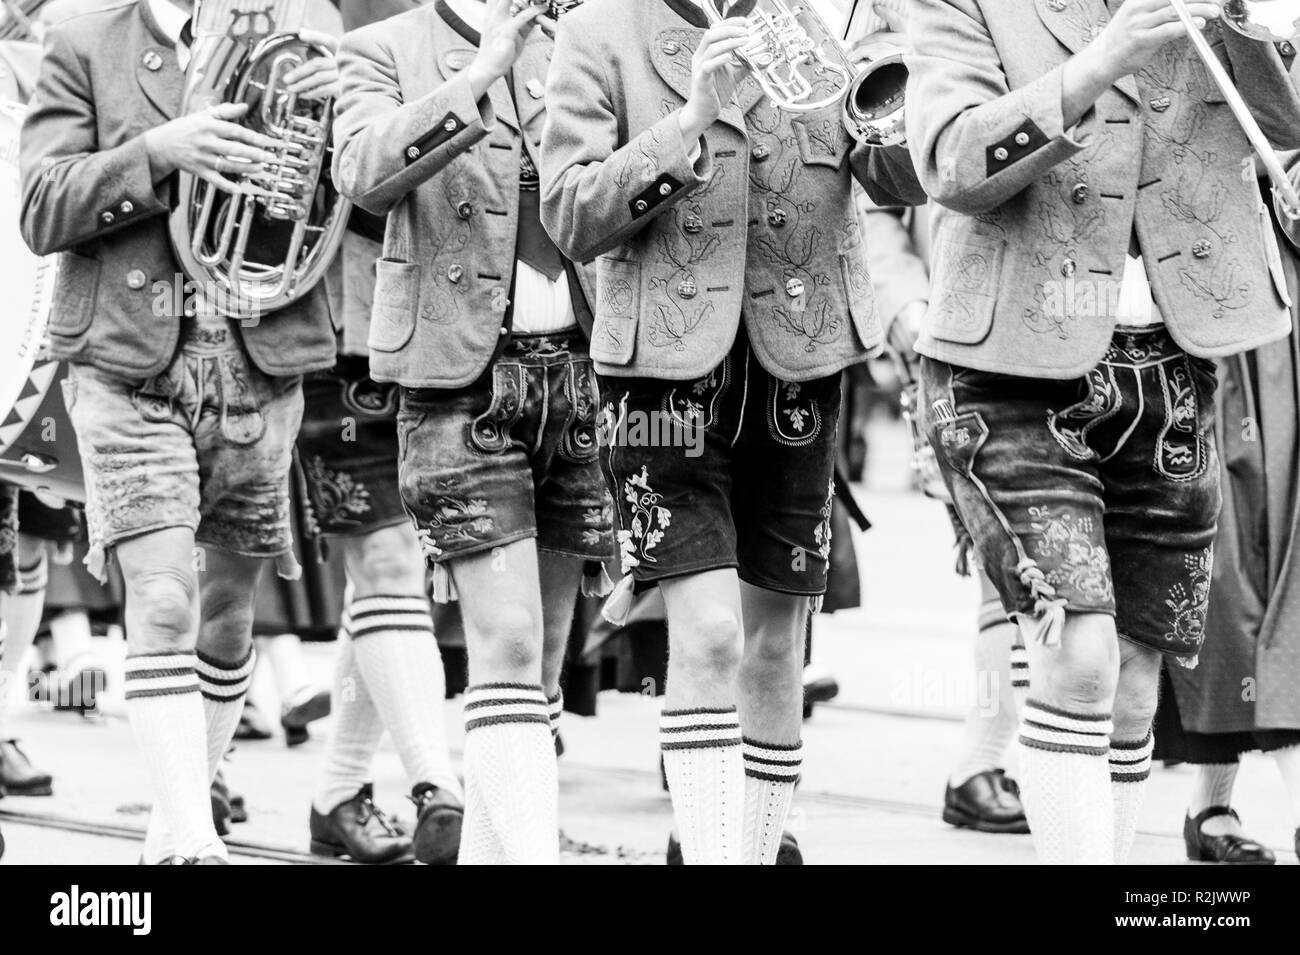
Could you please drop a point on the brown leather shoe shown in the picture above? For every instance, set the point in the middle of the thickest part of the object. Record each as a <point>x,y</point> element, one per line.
<point>359,830</point>
<point>18,776</point>
<point>437,825</point>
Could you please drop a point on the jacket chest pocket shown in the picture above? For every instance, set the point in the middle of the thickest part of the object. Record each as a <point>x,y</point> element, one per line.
<point>967,272</point>
<point>618,303</point>
<point>397,296</point>
<point>76,291</point>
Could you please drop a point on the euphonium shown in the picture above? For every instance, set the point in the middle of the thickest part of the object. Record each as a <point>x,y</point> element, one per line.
<point>254,252</point>
<point>802,66</point>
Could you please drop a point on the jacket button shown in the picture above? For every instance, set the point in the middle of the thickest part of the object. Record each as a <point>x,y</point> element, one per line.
<point>412,152</point>
<point>1001,154</point>
<point>1202,248</point>
<point>640,205</point>
<point>135,279</point>
<point>687,288</point>
<point>1286,48</point>
<point>1068,267</point>
<point>107,217</point>
<point>671,48</point>
<point>1161,103</point>
<point>794,288</point>
<point>127,207</point>
<point>761,152</point>
<point>535,88</point>
<point>454,273</point>
<point>776,218</point>
<point>693,224</point>
<point>451,125</point>
<point>152,61</point>
<point>504,331</point>
<point>1080,193</point>
<point>1022,139</point>
<point>465,209</point>
<point>665,189</point>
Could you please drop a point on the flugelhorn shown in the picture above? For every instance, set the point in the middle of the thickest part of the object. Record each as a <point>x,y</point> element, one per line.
<point>801,66</point>
<point>1273,21</point>
<point>256,251</point>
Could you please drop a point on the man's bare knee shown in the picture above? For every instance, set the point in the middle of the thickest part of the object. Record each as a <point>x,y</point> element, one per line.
<point>511,639</point>
<point>163,605</point>
<point>710,642</point>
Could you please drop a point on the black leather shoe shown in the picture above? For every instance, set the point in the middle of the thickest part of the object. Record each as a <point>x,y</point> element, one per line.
<point>1230,850</point>
<point>437,825</point>
<point>252,724</point>
<point>238,808</point>
<point>788,854</point>
<point>359,830</point>
<point>295,718</point>
<point>17,774</point>
<point>987,802</point>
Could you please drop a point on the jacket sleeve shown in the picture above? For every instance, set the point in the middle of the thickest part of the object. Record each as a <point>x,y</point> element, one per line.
<point>1268,86</point>
<point>976,142</point>
<point>384,146</point>
<point>595,193</point>
<point>73,191</point>
<point>898,274</point>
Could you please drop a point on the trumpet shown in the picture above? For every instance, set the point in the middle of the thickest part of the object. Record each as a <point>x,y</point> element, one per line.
<point>1274,21</point>
<point>802,66</point>
<point>259,251</point>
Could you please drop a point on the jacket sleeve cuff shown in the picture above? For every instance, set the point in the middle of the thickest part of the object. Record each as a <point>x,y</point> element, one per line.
<point>668,170</point>
<point>1038,123</point>
<point>446,113</point>
<point>129,192</point>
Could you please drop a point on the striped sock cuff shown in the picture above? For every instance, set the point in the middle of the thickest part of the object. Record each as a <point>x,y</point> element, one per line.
<point>1131,762</point>
<point>491,704</point>
<point>33,579</point>
<point>555,709</point>
<point>160,674</point>
<point>699,729</point>
<point>386,613</point>
<point>1019,667</point>
<point>221,681</point>
<point>774,762</point>
<point>1046,727</point>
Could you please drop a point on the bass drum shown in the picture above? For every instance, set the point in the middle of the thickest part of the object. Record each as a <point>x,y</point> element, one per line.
<point>38,448</point>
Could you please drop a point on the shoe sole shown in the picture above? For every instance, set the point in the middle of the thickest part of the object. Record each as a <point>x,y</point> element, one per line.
<point>46,789</point>
<point>964,820</point>
<point>437,840</point>
<point>332,850</point>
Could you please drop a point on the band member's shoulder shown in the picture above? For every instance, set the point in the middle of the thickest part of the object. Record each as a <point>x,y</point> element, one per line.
<point>89,26</point>
<point>385,33</point>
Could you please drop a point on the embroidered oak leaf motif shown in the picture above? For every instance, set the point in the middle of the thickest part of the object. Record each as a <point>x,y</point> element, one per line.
<point>818,325</point>
<point>648,521</point>
<point>1066,549</point>
<point>1189,601</point>
<point>641,164</point>
<point>822,532</point>
<point>454,519</point>
<point>338,496</point>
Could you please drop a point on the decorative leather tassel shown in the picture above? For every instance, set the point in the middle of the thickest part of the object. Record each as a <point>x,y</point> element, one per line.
<point>1049,610</point>
<point>595,579</point>
<point>444,588</point>
<point>618,606</point>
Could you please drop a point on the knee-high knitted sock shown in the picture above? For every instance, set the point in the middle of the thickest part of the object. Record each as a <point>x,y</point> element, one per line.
<point>166,714</point>
<point>706,773</point>
<point>1130,765</point>
<point>392,638</point>
<point>1065,784</point>
<point>510,778</point>
<point>771,772</point>
<point>991,720</point>
<point>223,687</point>
<point>21,619</point>
<point>1019,663</point>
<point>555,709</point>
<point>356,733</point>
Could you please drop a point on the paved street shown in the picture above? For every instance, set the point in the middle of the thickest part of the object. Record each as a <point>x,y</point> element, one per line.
<point>876,759</point>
